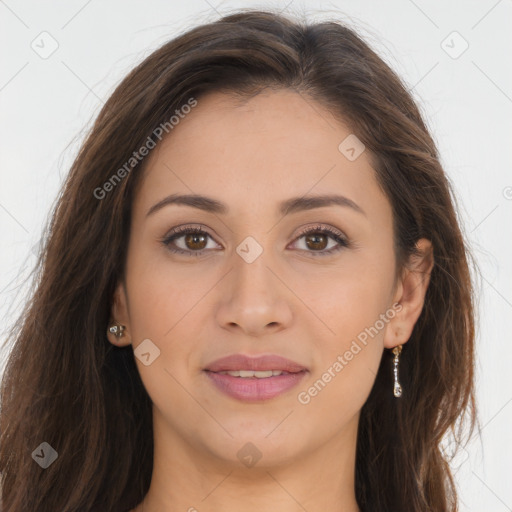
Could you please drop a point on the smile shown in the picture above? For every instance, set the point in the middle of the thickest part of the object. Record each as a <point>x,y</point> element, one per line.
<point>254,386</point>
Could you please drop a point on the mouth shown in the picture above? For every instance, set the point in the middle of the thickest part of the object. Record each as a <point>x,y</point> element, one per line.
<point>250,379</point>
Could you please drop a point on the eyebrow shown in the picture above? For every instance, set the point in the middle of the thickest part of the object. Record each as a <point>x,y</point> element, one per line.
<point>292,205</point>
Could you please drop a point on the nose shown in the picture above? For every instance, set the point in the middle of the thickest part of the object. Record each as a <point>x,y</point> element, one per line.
<point>254,299</point>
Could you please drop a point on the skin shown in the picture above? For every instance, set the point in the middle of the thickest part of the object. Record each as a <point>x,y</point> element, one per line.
<point>289,301</point>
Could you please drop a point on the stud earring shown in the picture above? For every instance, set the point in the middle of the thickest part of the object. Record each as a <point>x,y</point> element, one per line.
<point>117,330</point>
<point>397,389</point>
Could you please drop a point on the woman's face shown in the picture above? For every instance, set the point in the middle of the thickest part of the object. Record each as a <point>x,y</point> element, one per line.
<point>254,283</point>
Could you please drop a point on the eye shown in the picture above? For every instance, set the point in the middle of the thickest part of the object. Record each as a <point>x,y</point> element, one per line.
<point>190,240</point>
<point>317,238</point>
<point>193,243</point>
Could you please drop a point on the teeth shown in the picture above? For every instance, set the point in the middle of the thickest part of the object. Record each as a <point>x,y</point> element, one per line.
<point>250,373</point>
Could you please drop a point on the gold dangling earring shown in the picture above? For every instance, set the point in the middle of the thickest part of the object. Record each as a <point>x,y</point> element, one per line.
<point>397,389</point>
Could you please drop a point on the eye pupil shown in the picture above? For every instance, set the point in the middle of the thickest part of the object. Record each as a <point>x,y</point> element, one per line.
<point>193,238</point>
<point>315,238</point>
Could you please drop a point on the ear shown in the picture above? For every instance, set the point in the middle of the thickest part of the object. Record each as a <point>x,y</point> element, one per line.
<point>119,315</point>
<point>410,293</point>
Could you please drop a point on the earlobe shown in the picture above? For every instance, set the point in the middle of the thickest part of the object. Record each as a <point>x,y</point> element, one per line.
<point>118,330</point>
<point>410,294</point>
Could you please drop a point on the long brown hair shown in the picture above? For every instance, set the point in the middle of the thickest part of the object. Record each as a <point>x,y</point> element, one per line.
<point>66,385</point>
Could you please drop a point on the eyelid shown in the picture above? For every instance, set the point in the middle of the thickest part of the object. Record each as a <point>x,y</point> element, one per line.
<point>320,227</point>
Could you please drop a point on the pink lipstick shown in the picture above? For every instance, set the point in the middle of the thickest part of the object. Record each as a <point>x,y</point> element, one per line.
<point>253,379</point>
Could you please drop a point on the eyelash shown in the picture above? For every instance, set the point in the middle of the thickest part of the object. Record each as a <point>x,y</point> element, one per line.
<point>185,230</point>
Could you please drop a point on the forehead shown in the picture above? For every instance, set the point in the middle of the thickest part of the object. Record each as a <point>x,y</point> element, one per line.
<point>269,147</point>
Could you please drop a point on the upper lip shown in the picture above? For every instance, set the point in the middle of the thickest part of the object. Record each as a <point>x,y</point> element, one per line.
<point>260,363</point>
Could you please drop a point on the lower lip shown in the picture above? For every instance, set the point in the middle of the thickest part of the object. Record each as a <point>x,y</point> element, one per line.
<point>253,389</point>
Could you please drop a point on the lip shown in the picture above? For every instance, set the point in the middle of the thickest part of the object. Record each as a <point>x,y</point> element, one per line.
<point>254,389</point>
<point>260,363</point>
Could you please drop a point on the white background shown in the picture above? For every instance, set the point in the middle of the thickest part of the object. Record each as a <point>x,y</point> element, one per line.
<point>46,105</point>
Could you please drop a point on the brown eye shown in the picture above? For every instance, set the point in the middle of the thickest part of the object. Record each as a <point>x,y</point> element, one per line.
<point>195,241</point>
<point>188,241</point>
<point>321,241</point>
<point>317,241</point>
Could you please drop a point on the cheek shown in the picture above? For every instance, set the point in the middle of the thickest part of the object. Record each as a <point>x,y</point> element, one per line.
<point>355,311</point>
<point>349,298</point>
<point>348,360</point>
<point>160,303</point>
<point>160,293</point>
<point>164,301</point>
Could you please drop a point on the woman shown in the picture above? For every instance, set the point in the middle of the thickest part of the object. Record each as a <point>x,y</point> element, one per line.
<point>254,293</point>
